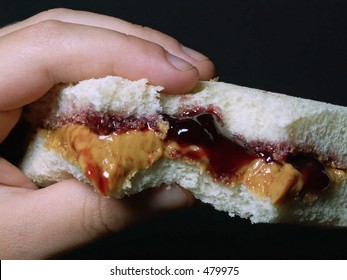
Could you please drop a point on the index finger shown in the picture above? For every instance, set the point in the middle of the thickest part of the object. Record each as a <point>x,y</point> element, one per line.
<point>35,58</point>
<point>200,61</point>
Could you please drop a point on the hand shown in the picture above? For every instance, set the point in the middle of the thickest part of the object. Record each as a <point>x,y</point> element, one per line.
<point>68,46</point>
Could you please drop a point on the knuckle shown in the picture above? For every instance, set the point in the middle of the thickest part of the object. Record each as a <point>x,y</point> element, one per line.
<point>46,27</point>
<point>98,217</point>
<point>46,32</point>
<point>56,13</point>
<point>92,221</point>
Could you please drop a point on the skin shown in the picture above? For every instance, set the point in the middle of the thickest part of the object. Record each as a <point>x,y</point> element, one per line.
<point>67,46</point>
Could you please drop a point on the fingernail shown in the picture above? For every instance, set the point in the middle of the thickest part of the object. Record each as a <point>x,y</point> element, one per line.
<point>178,63</point>
<point>171,197</point>
<point>194,54</point>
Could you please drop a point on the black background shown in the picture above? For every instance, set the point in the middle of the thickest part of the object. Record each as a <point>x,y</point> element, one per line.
<point>294,47</point>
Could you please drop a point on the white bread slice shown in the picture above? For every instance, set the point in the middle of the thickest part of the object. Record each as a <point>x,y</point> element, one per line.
<point>256,116</point>
<point>109,94</point>
<point>277,119</point>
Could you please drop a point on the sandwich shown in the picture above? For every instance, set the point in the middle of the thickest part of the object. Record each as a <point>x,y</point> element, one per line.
<point>263,156</point>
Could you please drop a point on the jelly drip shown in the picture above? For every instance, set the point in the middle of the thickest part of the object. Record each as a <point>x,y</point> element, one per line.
<point>225,155</point>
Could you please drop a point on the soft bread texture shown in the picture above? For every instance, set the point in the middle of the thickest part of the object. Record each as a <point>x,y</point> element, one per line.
<point>45,167</point>
<point>265,117</point>
<point>256,116</point>
<point>109,94</point>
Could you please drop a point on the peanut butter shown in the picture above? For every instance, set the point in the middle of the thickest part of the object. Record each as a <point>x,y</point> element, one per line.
<point>107,161</point>
<point>336,175</point>
<point>173,150</point>
<point>271,179</point>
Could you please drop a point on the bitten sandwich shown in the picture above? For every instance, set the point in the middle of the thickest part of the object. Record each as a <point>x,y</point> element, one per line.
<point>259,155</point>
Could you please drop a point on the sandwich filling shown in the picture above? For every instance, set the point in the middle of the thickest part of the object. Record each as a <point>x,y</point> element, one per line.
<point>110,150</point>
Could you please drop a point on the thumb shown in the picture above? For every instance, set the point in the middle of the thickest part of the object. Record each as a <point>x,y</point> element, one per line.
<point>69,214</point>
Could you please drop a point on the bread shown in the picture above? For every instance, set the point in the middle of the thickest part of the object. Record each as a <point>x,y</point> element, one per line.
<point>265,121</point>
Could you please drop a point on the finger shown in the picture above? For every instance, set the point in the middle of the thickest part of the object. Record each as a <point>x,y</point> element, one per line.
<point>70,214</point>
<point>36,58</point>
<point>204,65</point>
<point>10,175</point>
